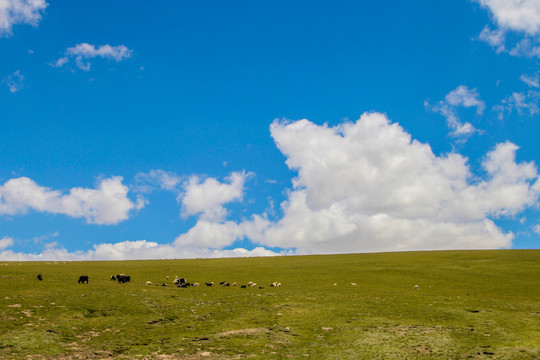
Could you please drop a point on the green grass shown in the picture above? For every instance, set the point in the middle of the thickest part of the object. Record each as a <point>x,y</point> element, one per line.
<point>469,305</point>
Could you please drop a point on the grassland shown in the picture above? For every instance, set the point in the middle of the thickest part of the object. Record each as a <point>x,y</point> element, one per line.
<point>469,305</point>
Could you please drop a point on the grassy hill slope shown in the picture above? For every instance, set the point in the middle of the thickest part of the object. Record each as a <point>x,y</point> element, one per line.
<point>469,304</point>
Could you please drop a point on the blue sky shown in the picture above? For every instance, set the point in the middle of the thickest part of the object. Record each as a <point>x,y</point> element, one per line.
<point>245,128</point>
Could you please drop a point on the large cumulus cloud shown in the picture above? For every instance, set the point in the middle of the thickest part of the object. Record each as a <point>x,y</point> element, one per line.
<point>368,186</point>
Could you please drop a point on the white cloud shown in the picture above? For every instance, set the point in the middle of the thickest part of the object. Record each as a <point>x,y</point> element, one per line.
<point>61,62</point>
<point>367,186</point>
<point>131,250</point>
<point>461,96</point>
<point>216,234</point>
<point>146,183</point>
<point>465,97</point>
<point>108,204</point>
<point>80,53</point>
<point>523,18</point>
<point>141,202</point>
<point>520,16</point>
<point>41,238</point>
<point>530,80</point>
<point>87,51</point>
<point>160,179</point>
<point>517,15</point>
<point>15,81</point>
<point>207,197</point>
<point>526,48</point>
<point>210,234</point>
<point>495,38</point>
<point>536,229</point>
<point>13,12</point>
<point>5,242</point>
<point>202,197</point>
<point>523,103</point>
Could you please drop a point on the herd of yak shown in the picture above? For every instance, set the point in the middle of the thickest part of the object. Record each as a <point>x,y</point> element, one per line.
<point>179,282</point>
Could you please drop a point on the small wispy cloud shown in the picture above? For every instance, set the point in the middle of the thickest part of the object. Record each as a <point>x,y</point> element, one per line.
<point>461,96</point>
<point>42,238</point>
<point>524,103</point>
<point>495,38</point>
<point>526,48</point>
<point>15,82</point>
<point>81,53</point>
<point>530,80</point>
<point>157,180</point>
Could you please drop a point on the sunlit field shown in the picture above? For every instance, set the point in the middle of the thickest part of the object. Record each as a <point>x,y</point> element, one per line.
<point>410,305</point>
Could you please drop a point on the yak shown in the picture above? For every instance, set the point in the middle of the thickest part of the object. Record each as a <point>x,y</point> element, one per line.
<point>123,278</point>
<point>83,279</point>
<point>179,281</point>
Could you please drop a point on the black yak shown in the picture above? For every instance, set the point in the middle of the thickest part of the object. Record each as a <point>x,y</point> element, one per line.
<point>123,278</point>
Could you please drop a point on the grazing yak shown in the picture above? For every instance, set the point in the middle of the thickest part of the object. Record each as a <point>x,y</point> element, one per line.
<point>179,281</point>
<point>416,287</point>
<point>113,278</point>
<point>83,279</point>
<point>40,277</point>
<point>123,278</point>
<point>275,284</point>
<point>210,283</point>
<point>148,283</point>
